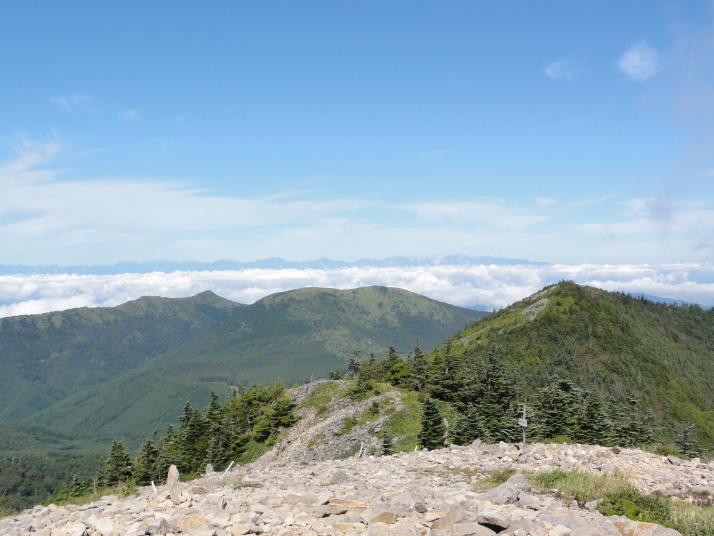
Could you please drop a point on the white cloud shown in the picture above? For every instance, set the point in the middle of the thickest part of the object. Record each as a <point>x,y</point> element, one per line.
<point>129,115</point>
<point>36,206</point>
<point>494,213</point>
<point>546,201</point>
<point>71,103</point>
<point>563,70</point>
<point>640,62</point>
<point>488,286</point>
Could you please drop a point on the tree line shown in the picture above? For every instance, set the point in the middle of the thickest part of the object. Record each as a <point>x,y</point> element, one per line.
<point>240,429</point>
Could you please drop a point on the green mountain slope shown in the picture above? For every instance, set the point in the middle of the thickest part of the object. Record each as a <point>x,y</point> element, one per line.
<point>625,347</point>
<point>292,335</point>
<point>46,358</point>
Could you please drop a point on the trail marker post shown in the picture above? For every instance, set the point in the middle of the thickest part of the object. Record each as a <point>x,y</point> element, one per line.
<point>523,423</point>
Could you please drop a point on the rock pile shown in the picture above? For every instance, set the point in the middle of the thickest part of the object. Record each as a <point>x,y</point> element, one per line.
<point>417,493</point>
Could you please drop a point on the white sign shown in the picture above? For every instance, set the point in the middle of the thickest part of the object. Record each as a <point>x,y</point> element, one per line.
<point>522,422</point>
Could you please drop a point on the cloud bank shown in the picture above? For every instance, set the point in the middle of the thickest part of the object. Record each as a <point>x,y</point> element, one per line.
<point>485,287</point>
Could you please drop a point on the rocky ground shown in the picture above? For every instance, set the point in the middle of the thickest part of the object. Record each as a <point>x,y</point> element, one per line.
<point>416,493</point>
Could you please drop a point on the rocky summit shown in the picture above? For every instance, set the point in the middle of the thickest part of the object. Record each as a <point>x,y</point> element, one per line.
<point>438,493</point>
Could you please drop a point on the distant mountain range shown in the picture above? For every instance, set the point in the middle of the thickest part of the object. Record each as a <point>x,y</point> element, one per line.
<point>273,263</point>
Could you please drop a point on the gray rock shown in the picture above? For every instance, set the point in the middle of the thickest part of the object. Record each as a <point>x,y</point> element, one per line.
<point>503,494</point>
<point>158,526</point>
<point>173,486</point>
<point>494,519</point>
<point>674,460</point>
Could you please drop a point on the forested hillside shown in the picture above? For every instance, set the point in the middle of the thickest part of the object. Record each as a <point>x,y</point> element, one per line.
<point>652,361</point>
<point>46,358</point>
<point>292,335</point>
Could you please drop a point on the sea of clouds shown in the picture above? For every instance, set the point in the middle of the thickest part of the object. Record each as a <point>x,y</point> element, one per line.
<point>484,287</point>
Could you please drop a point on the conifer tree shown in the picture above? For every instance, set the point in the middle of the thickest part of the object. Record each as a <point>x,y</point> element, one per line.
<point>559,406</point>
<point>433,430</point>
<point>145,464</point>
<point>685,442</point>
<point>509,429</point>
<point>446,382</point>
<point>595,426</point>
<point>391,360</point>
<point>420,368</point>
<point>387,443</point>
<point>469,427</point>
<point>119,466</point>
<point>214,411</point>
<point>496,392</point>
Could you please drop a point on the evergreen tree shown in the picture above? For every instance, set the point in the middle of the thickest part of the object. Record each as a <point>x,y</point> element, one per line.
<point>595,426</point>
<point>354,364</point>
<point>559,407</point>
<point>509,430</point>
<point>469,427</point>
<point>498,389</point>
<point>433,430</point>
<point>420,369</point>
<point>119,466</point>
<point>685,442</point>
<point>145,464</point>
<point>391,360</point>
<point>279,415</point>
<point>364,386</point>
<point>387,443</point>
<point>214,411</point>
<point>446,382</point>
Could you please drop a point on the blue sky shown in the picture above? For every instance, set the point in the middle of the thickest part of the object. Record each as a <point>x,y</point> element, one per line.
<point>554,131</point>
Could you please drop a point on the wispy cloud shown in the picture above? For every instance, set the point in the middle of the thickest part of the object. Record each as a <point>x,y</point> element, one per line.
<point>546,201</point>
<point>639,62</point>
<point>486,286</point>
<point>66,212</point>
<point>72,102</point>
<point>129,115</point>
<point>494,213</point>
<point>562,70</point>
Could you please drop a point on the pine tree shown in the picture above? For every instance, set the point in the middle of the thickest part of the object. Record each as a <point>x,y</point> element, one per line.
<point>446,383</point>
<point>119,466</point>
<point>433,430</point>
<point>469,427</point>
<point>559,406</point>
<point>387,443</point>
<point>391,360</point>
<point>595,426</point>
<point>354,364</point>
<point>279,415</point>
<point>420,368</point>
<point>145,464</point>
<point>214,411</point>
<point>498,389</point>
<point>685,442</point>
<point>509,429</point>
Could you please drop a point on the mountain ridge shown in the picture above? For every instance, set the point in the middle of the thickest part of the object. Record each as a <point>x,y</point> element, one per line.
<point>271,263</point>
<point>129,370</point>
